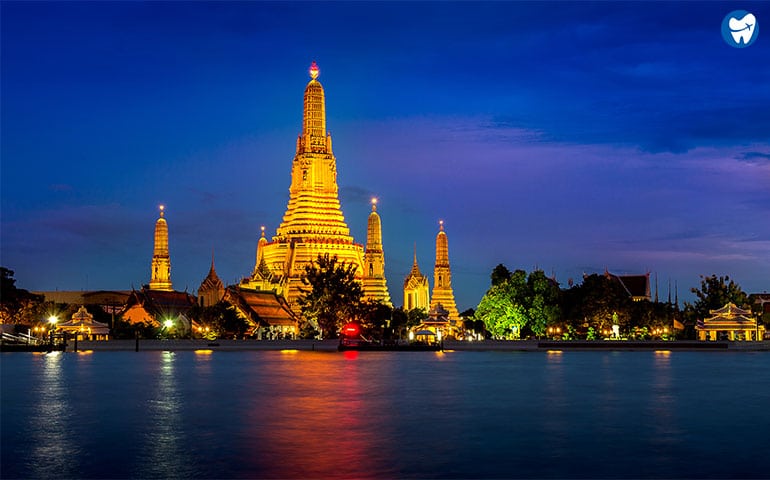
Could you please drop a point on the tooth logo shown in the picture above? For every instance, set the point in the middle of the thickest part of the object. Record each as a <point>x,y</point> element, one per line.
<point>740,28</point>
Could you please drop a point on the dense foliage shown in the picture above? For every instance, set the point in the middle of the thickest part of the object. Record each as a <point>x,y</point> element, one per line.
<point>517,305</point>
<point>332,295</point>
<point>16,304</point>
<point>715,292</point>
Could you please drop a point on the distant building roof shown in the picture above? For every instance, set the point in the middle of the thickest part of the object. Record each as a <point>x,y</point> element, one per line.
<point>161,303</point>
<point>87,297</point>
<point>637,286</point>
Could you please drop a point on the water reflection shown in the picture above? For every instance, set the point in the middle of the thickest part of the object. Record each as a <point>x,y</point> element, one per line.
<point>164,451</point>
<point>662,406</point>
<point>318,419</point>
<point>53,447</point>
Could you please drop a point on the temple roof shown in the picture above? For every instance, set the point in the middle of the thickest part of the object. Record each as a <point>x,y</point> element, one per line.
<point>161,302</point>
<point>82,320</point>
<point>729,310</point>
<point>634,285</point>
<point>212,281</point>
<point>262,307</point>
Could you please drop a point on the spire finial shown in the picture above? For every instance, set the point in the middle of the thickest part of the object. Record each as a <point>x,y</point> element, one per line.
<point>441,225</point>
<point>263,231</point>
<point>162,207</point>
<point>314,70</point>
<point>374,204</point>
<point>415,253</point>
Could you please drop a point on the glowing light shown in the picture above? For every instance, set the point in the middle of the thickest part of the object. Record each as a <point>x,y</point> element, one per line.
<point>204,352</point>
<point>351,330</point>
<point>664,353</point>
<point>168,323</point>
<point>554,352</point>
<point>86,352</point>
<point>52,319</point>
<point>314,70</point>
<point>290,350</point>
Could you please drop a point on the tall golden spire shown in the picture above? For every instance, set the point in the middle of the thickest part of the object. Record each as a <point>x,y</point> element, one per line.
<point>375,284</point>
<point>442,276</point>
<point>314,209</point>
<point>314,137</point>
<point>260,249</point>
<point>374,229</point>
<point>161,262</point>
<point>313,223</point>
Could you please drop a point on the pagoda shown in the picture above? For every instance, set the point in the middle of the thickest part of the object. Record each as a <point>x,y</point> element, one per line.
<point>442,277</point>
<point>313,223</point>
<point>375,284</point>
<point>160,278</point>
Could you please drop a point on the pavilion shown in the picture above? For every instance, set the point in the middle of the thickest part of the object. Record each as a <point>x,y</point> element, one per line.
<point>83,327</point>
<point>730,322</point>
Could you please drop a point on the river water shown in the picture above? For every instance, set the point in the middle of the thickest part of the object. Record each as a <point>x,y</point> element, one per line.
<point>304,414</point>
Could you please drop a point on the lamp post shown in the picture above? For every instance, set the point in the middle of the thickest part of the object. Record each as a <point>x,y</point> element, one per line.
<point>52,320</point>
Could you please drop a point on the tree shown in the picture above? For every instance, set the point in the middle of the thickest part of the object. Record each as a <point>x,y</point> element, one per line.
<point>501,310</point>
<point>16,304</point>
<point>333,297</point>
<point>500,274</point>
<point>715,292</point>
<point>542,302</point>
<point>600,301</point>
<point>374,316</point>
<point>221,319</point>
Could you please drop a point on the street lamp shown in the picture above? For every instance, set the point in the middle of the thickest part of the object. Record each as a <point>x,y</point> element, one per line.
<point>52,320</point>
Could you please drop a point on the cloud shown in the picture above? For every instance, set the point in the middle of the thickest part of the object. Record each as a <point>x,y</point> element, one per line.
<point>754,157</point>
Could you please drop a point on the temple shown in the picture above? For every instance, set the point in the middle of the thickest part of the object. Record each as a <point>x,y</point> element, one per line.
<point>442,278</point>
<point>313,223</point>
<point>161,263</point>
<point>375,284</point>
<point>416,288</point>
<point>211,290</point>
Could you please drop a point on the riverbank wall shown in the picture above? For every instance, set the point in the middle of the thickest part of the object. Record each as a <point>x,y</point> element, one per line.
<point>449,345</point>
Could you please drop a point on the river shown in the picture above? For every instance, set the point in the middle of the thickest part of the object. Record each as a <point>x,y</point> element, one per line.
<point>464,414</point>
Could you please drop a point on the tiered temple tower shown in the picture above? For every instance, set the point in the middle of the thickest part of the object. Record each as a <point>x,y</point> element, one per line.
<point>313,223</point>
<point>442,277</point>
<point>211,290</point>
<point>161,262</point>
<point>416,288</point>
<point>375,285</point>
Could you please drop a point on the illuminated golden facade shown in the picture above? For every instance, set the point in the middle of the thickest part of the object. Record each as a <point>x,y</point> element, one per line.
<point>730,323</point>
<point>161,262</point>
<point>313,223</point>
<point>416,288</point>
<point>442,277</point>
<point>375,284</point>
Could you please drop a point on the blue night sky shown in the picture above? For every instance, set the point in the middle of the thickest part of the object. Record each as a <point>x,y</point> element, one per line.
<point>571,137</point>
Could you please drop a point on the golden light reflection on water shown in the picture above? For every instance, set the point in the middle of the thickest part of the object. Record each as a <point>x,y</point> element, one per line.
<point>317,418</point>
